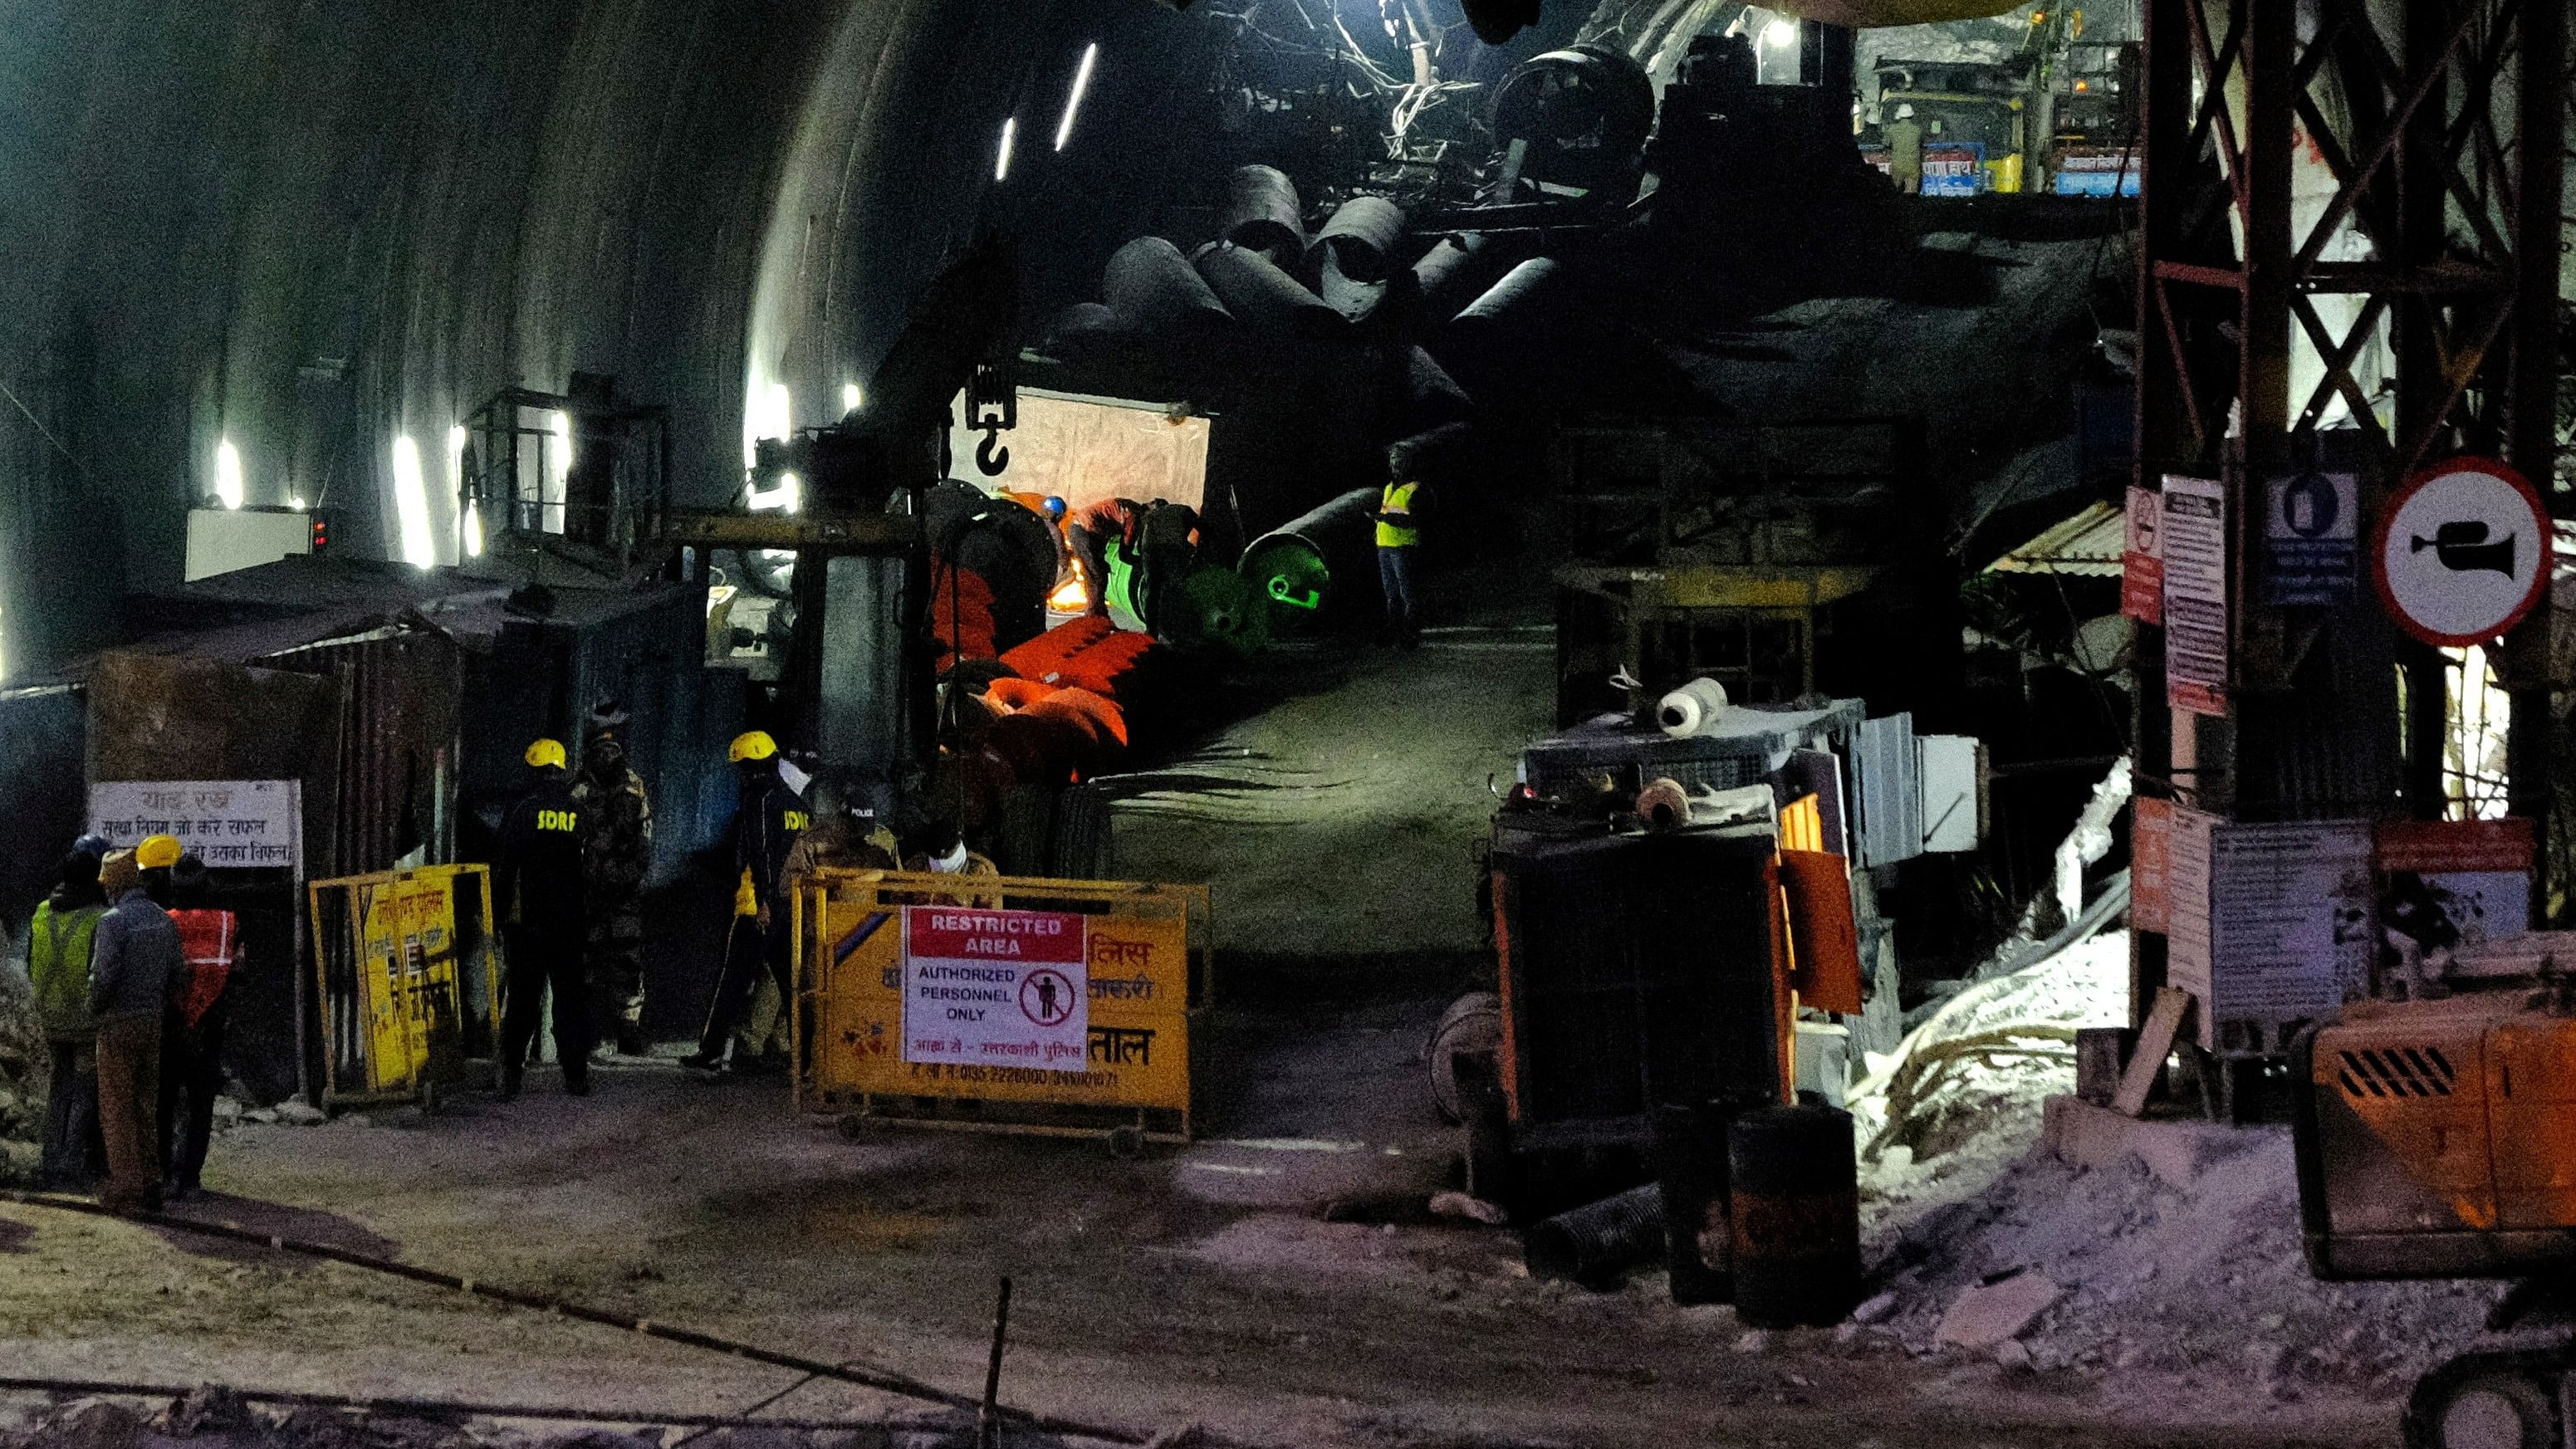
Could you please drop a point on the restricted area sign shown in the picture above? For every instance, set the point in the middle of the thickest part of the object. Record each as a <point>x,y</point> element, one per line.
<point>996,988</point>
<point>2463,552</point>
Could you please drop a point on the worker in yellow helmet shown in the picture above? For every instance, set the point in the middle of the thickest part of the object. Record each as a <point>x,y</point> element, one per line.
<point>765,824</point>
<point>537,894</point>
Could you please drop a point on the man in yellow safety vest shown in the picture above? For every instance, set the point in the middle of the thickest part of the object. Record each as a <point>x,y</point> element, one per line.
<point>1399,532</point>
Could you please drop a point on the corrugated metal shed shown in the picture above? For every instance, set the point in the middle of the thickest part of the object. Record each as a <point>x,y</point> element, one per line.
<point>2089,544</point>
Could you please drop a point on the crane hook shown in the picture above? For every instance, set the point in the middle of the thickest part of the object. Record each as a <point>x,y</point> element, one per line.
<point>991,457</point>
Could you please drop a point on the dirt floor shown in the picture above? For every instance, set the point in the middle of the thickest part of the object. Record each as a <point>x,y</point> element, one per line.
<point>1196,1284</point>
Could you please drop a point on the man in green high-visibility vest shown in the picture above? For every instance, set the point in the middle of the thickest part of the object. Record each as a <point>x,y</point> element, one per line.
<point>1399,533</point>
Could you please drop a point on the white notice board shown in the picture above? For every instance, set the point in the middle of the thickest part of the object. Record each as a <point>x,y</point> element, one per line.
<point>228,824</point>
<point>2194,546</point>
<point>2187,955</point>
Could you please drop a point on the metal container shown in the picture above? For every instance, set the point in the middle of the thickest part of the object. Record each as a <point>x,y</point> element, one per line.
<point>1594,1244</point>
<point>1152,287</point>
<point>1794,1212</point>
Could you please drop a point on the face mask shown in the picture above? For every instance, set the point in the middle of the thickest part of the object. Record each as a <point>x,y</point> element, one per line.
<point>951,863</point>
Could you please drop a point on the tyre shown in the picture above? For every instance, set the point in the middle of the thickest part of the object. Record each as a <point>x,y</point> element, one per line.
<point>2491,1409</point>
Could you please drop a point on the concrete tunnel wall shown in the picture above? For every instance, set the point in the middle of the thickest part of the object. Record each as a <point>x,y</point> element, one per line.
<point>310,228</point>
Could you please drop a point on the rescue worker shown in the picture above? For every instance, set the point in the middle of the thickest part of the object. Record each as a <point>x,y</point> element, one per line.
<point>842,834</point>
<point>192,1031</point>
<point>764,826</point>
<point>134,966</point>
<point>940,849</point>
<point>617,853</point>
<point>1088,532</point>
<point>538,892</point>
<point>1905,151</point>
<point>1399,532</point>
<point>58,953</point>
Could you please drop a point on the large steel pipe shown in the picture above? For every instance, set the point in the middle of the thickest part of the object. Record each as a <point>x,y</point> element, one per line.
<point>1261,212</point>
<point>1319,565</point>
<point>1153,288</point>
<point>1258,293</point>
<point>1455,272</point>
<point>1363,236</point>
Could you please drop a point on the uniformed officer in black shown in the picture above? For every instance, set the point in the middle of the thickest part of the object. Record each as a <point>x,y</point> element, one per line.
<point>764,827</point>
<point>537,894</point>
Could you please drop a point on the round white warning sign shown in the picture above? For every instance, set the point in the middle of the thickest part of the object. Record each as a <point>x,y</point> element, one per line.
<point>2462,553</point>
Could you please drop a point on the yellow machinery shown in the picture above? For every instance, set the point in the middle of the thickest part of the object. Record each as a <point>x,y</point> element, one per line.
<point>2436,1138</point>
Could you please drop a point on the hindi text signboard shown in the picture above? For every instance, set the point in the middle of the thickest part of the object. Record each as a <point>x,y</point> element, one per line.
<point>228,824</point>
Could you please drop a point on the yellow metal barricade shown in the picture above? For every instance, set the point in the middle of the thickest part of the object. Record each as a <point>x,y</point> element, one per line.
<point>408,981</point>
<point>1004,1003</point>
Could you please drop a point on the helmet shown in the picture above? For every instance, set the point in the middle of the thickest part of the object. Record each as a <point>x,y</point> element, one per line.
<point>548,754</point>
<point>157,852</point>
<point>1904,111</point>
<point>753,745</point>
<point>1054,506</point>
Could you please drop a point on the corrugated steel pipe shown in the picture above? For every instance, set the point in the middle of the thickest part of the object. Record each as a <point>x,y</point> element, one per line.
<point>1363,236</point>
<point>1262,212</point>
<point>1455,272</point>
<point>1153,288</point>
<point>1311,567</point>
<point>1595,1243</point>
<point>1255,290</point>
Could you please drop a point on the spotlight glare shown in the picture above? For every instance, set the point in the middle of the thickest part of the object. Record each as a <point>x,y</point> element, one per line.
<point>1073,100</point>
<point>411,505</point>
<point>1002,158</point>
<point>228,473</point>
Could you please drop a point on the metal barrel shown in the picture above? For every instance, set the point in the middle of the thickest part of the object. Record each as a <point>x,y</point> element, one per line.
<point>1254,289</point>
<point>1151,286</point>
<point>1310,568</point>
<point>1261,212</point>
<point>1473,1023</point>
<point>1794,1207</point>
<point>1363,236</point>
<point>1594,1244</point>
<point>1690,1168</point>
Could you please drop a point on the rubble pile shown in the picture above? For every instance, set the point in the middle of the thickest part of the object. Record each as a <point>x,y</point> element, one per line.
<point>213,1417</point>
<point>2174,1255</point>
<point>2178,1271</point>
<point>24,1067</point>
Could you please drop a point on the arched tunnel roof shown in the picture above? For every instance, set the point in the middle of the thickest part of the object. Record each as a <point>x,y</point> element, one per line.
<point>310,229</point>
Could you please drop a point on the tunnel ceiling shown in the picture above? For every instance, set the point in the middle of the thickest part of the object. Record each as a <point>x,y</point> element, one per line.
<point>310,228</point>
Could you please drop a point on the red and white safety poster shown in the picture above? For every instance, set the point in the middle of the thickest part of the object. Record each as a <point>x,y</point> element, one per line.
<point>995,988</point>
